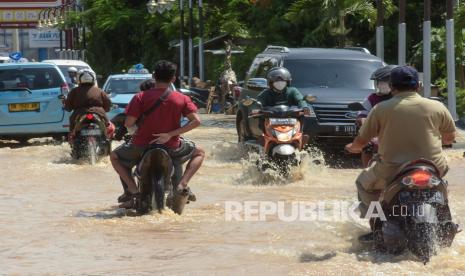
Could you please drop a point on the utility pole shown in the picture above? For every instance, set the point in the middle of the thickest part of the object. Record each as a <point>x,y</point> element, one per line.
<point>380,30</point>
<point>451,98</point>
<point>402,40</point>
<point>191,46</point>
<point>427,49</point>
<point>181,43</point>
<point>201,57</point>
<point>15,40</point>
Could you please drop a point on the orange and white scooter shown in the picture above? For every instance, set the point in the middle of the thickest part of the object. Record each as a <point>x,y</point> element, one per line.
<point>282,137</point>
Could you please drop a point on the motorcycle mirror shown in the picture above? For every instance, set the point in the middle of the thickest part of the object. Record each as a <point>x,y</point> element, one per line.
<point>356,106</point>
<point>310,98</point>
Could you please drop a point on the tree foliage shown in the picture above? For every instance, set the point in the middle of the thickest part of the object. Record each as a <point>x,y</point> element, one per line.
<point>122,32</point>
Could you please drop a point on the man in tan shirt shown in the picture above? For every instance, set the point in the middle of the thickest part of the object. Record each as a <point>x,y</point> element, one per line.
<point>408,127</point>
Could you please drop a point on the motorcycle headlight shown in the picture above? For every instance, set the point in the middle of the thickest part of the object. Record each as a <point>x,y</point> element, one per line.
<point>284,136</point>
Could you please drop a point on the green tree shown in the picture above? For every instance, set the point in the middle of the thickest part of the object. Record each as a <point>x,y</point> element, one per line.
<point>333,16</point>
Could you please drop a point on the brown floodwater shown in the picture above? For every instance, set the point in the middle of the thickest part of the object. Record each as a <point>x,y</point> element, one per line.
<point>58,217</point>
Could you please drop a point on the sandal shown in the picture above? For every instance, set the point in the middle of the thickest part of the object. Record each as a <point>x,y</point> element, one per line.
<point>126,196</point>
<point>133,201</point>
<point>187,191</point>
<point>192,196</point>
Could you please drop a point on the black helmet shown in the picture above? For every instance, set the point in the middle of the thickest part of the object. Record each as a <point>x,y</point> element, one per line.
<point>383,73</point>
<point>278,74</point>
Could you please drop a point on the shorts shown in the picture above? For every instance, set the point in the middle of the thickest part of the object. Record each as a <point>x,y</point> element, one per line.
<point>130,154</point>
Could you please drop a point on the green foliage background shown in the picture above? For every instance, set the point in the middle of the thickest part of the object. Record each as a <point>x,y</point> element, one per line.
<point>122,33</point>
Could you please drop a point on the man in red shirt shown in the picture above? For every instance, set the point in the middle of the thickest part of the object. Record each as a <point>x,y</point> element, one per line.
<point>162,126</point>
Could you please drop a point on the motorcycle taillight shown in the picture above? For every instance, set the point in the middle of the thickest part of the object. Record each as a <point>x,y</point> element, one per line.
<point>64,89</point>
<point>420,178</point>
<point>89,116</point>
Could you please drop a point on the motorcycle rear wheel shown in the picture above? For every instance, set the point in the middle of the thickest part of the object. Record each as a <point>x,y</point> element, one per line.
<point>422,242</point>
<point>157,195</point>
<point>92,150</point>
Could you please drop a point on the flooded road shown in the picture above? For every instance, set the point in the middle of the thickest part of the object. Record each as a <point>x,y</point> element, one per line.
<point>61,218</point>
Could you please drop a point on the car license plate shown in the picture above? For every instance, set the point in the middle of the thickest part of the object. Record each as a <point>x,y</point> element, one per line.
<point>91,132</point>
<point>283,121</point>
<point>24,107</point>
<point>351,129</point>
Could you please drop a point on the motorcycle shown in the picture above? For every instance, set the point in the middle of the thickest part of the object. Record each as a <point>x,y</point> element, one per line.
<point>154,174</point>
<point>91,138</point>
<point>416,211</point>
<point>282,135</point>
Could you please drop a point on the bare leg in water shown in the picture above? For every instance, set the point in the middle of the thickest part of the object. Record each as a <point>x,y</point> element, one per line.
<point>192,167</point>
<point>123,173</point>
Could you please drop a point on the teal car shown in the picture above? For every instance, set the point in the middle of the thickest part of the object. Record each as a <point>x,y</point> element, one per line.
<point>30,104</point>
<point>121,88</point>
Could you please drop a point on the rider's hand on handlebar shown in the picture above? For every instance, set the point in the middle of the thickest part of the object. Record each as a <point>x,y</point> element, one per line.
<point>306,111</point>
<point>350,148</point>
<point>360,121</point>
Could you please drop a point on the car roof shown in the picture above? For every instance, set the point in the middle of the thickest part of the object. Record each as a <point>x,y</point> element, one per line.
<point>69,62</point>
<point>27,64</point>
<point>132,76</point>
<point>321,53</point>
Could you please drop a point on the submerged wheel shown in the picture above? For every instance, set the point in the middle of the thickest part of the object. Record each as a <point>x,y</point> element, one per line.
<point>422,241</point>
<point>240,128</point>
<point>157,195</point>
<point>92,150</point>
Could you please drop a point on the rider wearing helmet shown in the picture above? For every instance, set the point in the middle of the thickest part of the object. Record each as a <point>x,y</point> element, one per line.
<point>72,74</point>
<point>86,97</point>
<point>280,92</point>
<point>383,91</point>
<point>409,127</point>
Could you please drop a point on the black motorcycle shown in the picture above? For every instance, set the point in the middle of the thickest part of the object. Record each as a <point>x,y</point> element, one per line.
<point>90,139</point>
<point>154,174</point>
<point>416,210</point>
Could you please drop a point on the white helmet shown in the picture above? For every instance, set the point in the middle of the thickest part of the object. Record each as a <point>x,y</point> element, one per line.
<point>72,69</point>
<point>86,76</point>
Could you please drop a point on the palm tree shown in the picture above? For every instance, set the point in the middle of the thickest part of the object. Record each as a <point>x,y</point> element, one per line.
<point>333,15</point>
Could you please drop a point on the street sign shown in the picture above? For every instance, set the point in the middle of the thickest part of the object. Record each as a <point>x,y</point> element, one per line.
<point>23,13</point>
<point>49,38</point>
<point>30,3</point>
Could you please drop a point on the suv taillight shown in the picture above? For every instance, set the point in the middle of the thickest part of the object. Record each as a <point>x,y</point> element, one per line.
<point>64,89</point>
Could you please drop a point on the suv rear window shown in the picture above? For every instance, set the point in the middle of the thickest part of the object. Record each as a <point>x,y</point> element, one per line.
<point>31,78</point>
<point>64,68</point>
<point>124,85</point>
<point>326,73</point>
